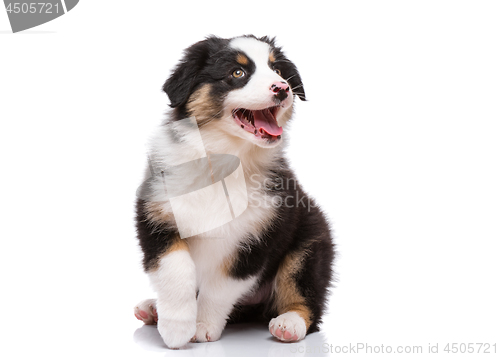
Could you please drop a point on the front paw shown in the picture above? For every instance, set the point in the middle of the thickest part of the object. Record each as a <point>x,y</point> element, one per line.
<point>206,332</point>
<point>176,333</point>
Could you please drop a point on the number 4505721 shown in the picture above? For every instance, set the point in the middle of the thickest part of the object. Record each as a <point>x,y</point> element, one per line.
<point>32,8</point>
<point>470,348</point>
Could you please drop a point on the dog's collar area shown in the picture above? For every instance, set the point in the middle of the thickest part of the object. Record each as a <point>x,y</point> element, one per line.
<point>262,123</point>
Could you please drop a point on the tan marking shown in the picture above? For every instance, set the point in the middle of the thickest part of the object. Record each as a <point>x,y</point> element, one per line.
<point>159,214</point>
<point>272,58</point>
<point>227,265</point>
<point>156,213</point>
<point>242,59</point>
<point>202,106</point>
<point>176,244</point>
<point>286,293</point>
<point>303,311</point>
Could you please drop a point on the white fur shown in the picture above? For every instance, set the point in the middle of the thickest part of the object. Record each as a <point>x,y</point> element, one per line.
<point>291,322</point>
<point>217,297</point>
<point>256,93</point>
<point>175,283</point>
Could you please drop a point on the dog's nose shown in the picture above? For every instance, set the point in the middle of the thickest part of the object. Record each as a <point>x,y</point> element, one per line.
<point>280,90</point>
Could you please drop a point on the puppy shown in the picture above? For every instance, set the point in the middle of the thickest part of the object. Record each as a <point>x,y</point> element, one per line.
<point>269,256</point>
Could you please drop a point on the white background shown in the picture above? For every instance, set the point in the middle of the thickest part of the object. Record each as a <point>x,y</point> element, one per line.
<point>399,142</point>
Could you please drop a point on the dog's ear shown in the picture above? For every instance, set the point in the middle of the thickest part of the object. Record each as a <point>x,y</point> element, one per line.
<point>186,76</point>
<point>296,83</point>
<point>290,71</point>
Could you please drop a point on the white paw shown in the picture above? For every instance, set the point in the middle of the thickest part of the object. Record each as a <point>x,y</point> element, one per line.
<point>206,332</point>
<point>176,333</point>
<point>145,311</point>
<point>288,327</point>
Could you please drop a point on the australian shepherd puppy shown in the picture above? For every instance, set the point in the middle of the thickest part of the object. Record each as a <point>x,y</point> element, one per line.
<point>228,234</point>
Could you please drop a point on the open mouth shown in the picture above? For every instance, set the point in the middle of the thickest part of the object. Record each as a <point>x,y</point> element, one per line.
<point>262,123</point>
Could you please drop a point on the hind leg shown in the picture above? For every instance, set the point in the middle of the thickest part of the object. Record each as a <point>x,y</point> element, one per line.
<point>300,289</point>
<point>294,313</point>
<point>145,311</point>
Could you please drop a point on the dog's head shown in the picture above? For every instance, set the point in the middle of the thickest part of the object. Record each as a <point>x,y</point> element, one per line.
<point>245,86</point>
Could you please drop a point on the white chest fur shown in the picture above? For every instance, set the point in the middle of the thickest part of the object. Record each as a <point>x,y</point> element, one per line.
<point>211,248</point>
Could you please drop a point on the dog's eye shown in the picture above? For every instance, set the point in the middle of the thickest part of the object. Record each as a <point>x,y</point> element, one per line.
<point>238,73</point>
<point>276,70</point>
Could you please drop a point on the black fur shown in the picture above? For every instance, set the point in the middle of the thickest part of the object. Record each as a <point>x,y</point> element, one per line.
<point>154,239</point>
<point>190,72</point>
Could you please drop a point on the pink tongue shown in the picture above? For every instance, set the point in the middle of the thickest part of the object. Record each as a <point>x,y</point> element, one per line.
<point>263,119</point>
